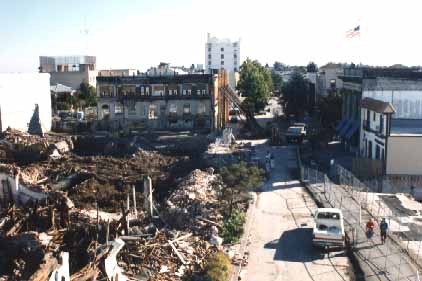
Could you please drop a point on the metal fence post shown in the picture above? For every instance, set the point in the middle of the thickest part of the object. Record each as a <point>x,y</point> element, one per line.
<point>325,184</point>
<point>386,257</point>
<point>330,190</point>
<point>366,200</point>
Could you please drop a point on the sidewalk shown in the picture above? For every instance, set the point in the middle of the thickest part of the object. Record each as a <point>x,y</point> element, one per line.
<point>377,261</point>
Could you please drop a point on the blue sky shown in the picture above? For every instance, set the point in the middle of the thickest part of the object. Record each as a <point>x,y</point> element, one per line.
<point>139,34</point>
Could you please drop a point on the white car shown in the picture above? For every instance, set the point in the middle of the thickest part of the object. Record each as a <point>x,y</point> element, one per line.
<point>329,228</point>
<point>295,134</point>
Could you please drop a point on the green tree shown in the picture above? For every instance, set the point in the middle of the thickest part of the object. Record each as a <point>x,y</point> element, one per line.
<point>277,83</point>
<point>237,179</point>
<point>278,66</point>
<point>255,84</point>
<point>330,108</point>
<point>87,95</point>
<point>311,67</point>
<point>297,96</point>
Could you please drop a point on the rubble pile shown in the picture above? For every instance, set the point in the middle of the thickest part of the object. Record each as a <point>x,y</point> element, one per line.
<point>20,147</point>
<point>90,217</point>
<point>195,200</point>
<point>183,244</point>
<point>153,249</point>
<point>166,256</point>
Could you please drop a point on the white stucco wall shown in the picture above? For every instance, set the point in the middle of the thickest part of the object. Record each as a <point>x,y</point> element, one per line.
<point>19,93</point>
<point>370,135</point>
<point>404,155</point>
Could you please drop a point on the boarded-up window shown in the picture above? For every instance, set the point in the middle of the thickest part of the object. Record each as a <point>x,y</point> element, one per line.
<point>131,108</point>
<point>201,108</point>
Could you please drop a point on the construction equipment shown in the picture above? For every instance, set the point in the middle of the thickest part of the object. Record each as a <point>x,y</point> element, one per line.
<point>235,100</point>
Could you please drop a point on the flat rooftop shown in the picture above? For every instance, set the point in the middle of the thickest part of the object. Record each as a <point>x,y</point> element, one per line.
<point>185,78</point>
<point>411,127</point>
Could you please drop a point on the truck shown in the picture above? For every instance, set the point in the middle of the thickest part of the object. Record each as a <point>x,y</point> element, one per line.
<point>328,230</point>
<point>295,134</point>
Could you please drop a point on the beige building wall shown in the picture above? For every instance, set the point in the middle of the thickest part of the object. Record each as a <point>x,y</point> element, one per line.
<point>74,79</point>
<point>404,155</point>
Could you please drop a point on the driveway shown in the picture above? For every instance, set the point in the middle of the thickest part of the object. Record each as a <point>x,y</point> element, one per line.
<point>279,228</point>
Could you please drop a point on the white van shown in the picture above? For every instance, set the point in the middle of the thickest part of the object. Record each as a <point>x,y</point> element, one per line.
<point>329,228</point>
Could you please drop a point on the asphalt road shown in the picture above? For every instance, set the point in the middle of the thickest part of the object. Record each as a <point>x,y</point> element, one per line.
<point>279,228</point>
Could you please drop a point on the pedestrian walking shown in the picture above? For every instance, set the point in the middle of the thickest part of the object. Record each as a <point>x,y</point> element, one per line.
<point>383,230</point>
<point>370,228</point>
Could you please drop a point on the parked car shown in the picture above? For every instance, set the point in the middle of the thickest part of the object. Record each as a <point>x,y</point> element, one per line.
<point>329,228</point>
<point>295,134</point>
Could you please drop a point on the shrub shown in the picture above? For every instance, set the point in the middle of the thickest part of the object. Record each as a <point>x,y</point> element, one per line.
<point>217,267</point>
<point>233,227</point>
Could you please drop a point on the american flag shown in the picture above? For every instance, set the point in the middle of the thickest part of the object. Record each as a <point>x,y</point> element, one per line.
<point>353,32</point>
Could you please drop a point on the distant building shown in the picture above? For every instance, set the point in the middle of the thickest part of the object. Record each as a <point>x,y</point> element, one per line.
<point>25,99</point>
<point>375,117</point>
<point>118,72</point>
<point>164,69</point>
<point>328,79</point>
<point>191,101</point>
<point>400,87</point>
<point>70,70</point>
<point>395,143</point>
<point>61,97</point>
<point>222,54</point>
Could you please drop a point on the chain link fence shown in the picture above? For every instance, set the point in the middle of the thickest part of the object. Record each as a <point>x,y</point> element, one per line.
<point>398,258</point>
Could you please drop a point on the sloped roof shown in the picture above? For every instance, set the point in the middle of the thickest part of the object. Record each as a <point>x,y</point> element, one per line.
<point>377,105</point>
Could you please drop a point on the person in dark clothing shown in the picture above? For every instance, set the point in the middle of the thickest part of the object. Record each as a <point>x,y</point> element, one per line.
<point>383,230</point>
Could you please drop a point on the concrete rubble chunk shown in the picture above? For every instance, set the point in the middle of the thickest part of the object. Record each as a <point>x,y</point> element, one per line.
<point>112,269</point>
<point>216,240</point>
<point>61,273</point>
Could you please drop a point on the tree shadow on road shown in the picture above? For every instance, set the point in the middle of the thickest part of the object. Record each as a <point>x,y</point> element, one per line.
<point>295,246</point>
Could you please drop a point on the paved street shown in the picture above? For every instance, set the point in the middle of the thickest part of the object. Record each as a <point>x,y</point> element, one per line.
<point>280,231</point>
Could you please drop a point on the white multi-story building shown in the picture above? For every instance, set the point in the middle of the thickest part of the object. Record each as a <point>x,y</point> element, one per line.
<point>222,54</point>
